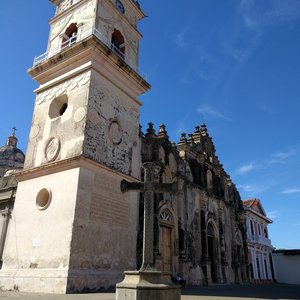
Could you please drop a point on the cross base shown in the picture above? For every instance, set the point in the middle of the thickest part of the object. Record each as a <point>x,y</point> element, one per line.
<point>144,285</point>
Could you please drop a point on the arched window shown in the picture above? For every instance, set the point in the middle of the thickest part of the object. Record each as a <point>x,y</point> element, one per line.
<point>212,251</point>
<point>70,36</point>
<point>210,230</point>
<point>165,216</point>
<point>118,43</point>
<point>209,177</point>
<point>251,227</point>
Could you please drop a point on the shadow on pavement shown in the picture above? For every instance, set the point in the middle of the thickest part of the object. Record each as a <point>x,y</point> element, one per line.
<point>271,291</point>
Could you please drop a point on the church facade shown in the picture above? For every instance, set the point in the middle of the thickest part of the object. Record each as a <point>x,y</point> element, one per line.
<point>200,229</point>
<point>73,228</point>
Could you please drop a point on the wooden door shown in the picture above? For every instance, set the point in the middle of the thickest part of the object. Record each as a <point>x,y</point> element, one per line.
<point>166,248</point>
<point>212,257</point>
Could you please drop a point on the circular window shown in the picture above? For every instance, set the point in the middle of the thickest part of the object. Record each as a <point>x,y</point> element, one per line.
<point>43,199</point>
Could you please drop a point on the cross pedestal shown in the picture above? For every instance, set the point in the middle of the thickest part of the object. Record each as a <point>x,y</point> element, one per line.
<point>148,283</point>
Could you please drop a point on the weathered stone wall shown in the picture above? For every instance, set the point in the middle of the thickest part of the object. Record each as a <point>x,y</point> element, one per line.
<point>107,20</point>
<point>112,132</point>
<point>104,232</point>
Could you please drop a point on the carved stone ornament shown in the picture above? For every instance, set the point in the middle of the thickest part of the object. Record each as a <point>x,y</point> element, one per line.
<point>66,4</point>
<point>52,149</point>
<point>63,88</point>
<point>34,131</point>
<point>115,132</point>
<point>93,117</point>
<point>79,114</point>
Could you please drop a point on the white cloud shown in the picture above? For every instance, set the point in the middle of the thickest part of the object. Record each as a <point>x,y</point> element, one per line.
<point>180,128</point>
<point>281,157</point>
<point>208,111</point>
<point>181,41</point>
<point>247,187</point>
<point>253,190</point>
<point>265,108</point>
<point>257,17</point>
<point>291,191</point>
<point>272,214</point>
<point>246,168</point>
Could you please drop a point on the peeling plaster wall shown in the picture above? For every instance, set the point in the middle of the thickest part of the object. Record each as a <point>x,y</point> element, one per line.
<point>104,232</point>
<point>112,128</point>
<point>107,20</point>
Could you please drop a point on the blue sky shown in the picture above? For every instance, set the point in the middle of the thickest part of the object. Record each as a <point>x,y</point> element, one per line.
<point>233,64</point>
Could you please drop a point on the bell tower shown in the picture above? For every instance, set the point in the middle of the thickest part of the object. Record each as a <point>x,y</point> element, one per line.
<point>74,229</point>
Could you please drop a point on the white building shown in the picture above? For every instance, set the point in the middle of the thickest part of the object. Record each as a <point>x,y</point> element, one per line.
<point>259,244</point>
<point>287,265</point>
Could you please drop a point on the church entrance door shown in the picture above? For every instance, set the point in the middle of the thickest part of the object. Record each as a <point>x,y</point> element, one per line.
<point>211,257</point>
<point>212,252</point>
<point>166,248</point>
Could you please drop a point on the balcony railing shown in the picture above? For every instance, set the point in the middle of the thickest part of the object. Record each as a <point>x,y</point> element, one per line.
<point>74,39</point>
<point>254,238</point>
<point>117,51</point>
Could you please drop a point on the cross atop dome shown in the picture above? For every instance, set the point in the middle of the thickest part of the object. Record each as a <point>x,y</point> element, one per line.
<point>13,133</point>
<point>12,140</point>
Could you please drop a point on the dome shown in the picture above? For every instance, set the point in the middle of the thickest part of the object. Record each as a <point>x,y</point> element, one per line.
<point>11,157</point>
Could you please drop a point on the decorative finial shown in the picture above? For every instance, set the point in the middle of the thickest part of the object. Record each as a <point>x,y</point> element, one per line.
<point>183,139</point>
<point>191,139</point>
<point>162,133</point>
<point>150,129</point>
<point>203,129</point>
<point>197,135</point>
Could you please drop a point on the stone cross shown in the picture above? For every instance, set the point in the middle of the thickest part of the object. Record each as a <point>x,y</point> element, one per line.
<point>149,187</point>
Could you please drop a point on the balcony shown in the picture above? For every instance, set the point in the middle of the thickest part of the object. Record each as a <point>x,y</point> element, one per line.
<point>257,239</point>
<point>81,36</point>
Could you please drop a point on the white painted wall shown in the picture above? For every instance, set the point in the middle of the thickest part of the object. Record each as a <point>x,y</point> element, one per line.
<point>287,268</point>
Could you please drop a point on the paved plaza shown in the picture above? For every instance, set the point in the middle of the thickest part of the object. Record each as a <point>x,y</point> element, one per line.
<point>216,292</point>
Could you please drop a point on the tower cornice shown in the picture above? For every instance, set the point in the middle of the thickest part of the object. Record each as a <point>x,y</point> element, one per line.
<point>67,164</point>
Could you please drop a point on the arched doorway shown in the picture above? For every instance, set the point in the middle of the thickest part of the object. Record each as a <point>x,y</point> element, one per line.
<point>166,224</point>
<point>212,252</point>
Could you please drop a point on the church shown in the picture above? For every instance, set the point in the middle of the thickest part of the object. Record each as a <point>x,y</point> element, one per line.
<point>67,226</point>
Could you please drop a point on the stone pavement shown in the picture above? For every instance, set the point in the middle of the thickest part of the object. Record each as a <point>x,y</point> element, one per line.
<point>215,292</point>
